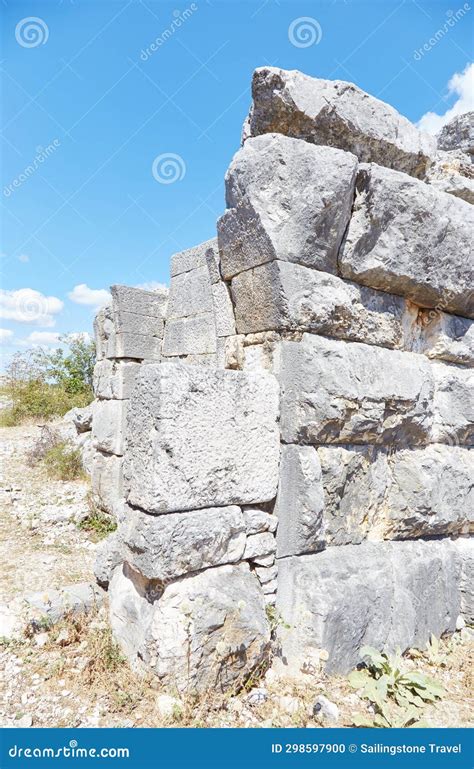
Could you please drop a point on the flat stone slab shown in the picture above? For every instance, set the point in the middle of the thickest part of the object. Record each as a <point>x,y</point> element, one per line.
<point>107,482</point>
<point>190,336</point>
<point>108,426</point>
<point>199,437</point>
<point>286,200</point>
<point>338,114</point>
<point>114,380</point>
<point>407,238</point>
<point>453,405</point>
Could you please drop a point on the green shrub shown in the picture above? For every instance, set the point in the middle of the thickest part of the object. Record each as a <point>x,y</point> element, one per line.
<point>63,462</point>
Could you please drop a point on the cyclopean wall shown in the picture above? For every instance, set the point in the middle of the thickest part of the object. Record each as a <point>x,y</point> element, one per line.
<point>293,426</point>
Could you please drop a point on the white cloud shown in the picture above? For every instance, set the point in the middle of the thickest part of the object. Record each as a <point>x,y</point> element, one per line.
<point>152,285</point>
<point>29,306</point>
<point>43,338</point>
<point>80,335</point>
<point>95,297</point>
<point>462,85</point>
<point>5,333</point>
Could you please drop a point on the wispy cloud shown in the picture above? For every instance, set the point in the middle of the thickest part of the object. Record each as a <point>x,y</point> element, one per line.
<point>5,334</point>
<point>42,338</point>
<point>94,297</point>
<point>29,306</point>
<point>461,85</point>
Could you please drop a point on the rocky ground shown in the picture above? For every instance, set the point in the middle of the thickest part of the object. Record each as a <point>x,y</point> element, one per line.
<point>73,675</point>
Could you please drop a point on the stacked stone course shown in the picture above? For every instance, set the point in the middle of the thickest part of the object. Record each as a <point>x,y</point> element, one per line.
<point>301,431</point>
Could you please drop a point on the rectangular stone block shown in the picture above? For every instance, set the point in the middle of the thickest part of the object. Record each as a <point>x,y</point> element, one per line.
<point>136,346</point>
<point>300,502</point>
<point>108,426</point>
<point>223,310</point>
<point>346,392</point>
<point>213,261</point>
<point>190,294</point>
<point>114,379</point>
<point>382,594</point>
<point>453,405</point>
<point>465,548</point>
<point>107,482</point>
<point>338,114</point>
<point>190,336</point>
<point>138,301</point>
<point>443,336</point>
<point>199,437</point>
<point>191,258</point>
<point>165,547</point>
<point>103,327</point>
<point>407,238</point>
<point>131,324</point>
<point>286,200</point>
<point>291,297</point>
<point>259,545</point>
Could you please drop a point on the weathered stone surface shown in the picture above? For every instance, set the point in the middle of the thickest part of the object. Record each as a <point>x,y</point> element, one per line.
<point>259,546</point>
<point>107,482</point>
<point>191,258</point>
<point>108,555</point>
<point>458,134</point>
<point>465,549</point>
<point>205,632</point>
<point>190,294</point>
<point>354,480</point>
<point>300,502</point>
<point>268,574</point>
<point>443,336</point>
<point>103,328</point>
<point>286,296</point>
<point>114,380</point>
<point>136,346</point>
<point>71,599</point>
<point>430,492</point>
<point>199,437</point>
<point>286,200</point>
<point>81,418</point>
<point>453,172</point>
<point>108,426</point>
<point>338,392</point>
<point>164,547</point>
<point>453,405</point>
<point>338,114</point>
<point>137,301</point>
<point>257,521</point>
<point>213,261</point>
<point>382,594</point>
<point>407,238</point>
<point>190,336</point>
<point>223,310</point>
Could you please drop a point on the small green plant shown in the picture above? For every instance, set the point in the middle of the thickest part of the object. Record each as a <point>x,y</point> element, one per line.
<point>397,694</point>
<point>275,619</point>
<point>63,462</point>
<point>97,521</point>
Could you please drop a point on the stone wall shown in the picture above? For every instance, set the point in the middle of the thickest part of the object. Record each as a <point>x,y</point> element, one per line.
<point>289,435</point>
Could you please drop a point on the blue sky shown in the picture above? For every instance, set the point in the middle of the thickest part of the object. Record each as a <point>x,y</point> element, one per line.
<point>87,107</point>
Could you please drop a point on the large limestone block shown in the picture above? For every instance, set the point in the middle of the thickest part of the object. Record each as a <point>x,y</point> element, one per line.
<point>286,200</point>
<point>204,633</point>
<point>453,172</point>
<point>458,134</point>
<point>346,392</point>
<point>114,380</point>
<point>338,114</point>
<point>199,437</point>
<point>407,238</point>
<point>190,294</point>
<point>192,258</point>
<point>136,346</point>
<point>190,336</point>
<point>108,555</point>
<point>465,548</point>
<point>223,310</point>
<point>354,480</point>
<point>385,594</point>
<point>108,426</point>
<point>129,301</point>
<point>164,547</point>
<point>286,296</point>
<point>443,336</point>
<point>300,502</point>
<point>107,482</point>
<point>103,328</point>
<point>453,405</point>
<point>430,492</point>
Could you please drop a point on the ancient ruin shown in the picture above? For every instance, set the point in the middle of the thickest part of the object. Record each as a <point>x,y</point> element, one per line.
<point>286,438</point>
